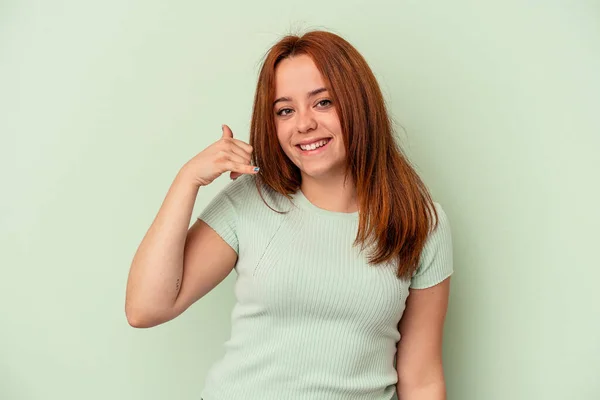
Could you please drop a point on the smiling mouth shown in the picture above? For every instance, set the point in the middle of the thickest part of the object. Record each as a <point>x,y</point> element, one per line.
<point>313,147</point>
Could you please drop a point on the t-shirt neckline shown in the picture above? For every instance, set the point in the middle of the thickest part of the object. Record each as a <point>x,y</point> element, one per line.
<point>301,200</point>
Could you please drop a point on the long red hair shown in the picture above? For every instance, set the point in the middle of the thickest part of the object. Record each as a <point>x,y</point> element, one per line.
<point>396,212</point>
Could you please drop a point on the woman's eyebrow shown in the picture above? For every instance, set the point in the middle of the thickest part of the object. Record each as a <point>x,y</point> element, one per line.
<point>310,94</point>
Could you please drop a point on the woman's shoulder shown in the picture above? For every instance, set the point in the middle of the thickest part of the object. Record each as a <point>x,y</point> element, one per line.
<point>249,192</point>
<point>442,218</point>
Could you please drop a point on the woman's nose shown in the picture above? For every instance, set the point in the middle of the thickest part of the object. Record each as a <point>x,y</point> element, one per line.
<point>305,122</point>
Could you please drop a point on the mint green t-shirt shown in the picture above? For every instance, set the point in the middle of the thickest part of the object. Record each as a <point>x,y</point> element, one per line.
<point>312,320</point>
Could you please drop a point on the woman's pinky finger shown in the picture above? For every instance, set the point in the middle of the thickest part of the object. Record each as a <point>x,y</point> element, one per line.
<point>250,169</point>
<point>243,169</point>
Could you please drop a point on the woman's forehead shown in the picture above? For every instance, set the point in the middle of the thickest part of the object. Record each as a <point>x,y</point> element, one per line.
<point>297,76</point>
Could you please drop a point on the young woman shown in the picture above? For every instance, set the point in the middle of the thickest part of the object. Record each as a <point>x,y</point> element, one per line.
<point>342,258</point>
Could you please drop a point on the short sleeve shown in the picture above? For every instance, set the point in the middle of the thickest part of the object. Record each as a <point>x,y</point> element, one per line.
<point>222,212</point>
<point>436,262</point>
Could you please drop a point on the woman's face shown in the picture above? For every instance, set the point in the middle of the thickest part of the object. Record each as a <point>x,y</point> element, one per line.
<point>305,115</point>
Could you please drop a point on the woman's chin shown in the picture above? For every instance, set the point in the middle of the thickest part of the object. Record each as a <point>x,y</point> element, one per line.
<point>316,173</point>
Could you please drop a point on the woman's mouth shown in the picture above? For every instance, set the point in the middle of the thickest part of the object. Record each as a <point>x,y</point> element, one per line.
<point>314,148</point>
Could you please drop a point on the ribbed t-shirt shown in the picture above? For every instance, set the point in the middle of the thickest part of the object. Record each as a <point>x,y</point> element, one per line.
<point>312,319</point>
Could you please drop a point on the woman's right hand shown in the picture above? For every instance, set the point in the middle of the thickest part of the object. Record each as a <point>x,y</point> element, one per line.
<point>226,154</point>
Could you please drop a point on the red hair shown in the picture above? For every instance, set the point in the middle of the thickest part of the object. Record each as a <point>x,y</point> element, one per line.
<point>396,211</point>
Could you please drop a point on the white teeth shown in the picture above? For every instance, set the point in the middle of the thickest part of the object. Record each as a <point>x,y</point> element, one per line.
<point>314,145</point>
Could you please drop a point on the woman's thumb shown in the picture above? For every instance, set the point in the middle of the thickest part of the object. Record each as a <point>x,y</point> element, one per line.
<point>227,132</point>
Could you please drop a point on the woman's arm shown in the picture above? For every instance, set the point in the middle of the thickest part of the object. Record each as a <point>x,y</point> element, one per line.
<point>419,362</point>
<point>173,266</point>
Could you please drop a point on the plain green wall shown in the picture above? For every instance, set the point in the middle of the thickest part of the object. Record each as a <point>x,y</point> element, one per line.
<point>102,102</point>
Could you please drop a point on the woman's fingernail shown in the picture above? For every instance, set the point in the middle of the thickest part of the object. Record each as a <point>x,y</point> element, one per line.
<point>256,169</point>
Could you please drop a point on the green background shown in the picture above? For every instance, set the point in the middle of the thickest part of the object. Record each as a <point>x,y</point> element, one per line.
<point>102,102</point>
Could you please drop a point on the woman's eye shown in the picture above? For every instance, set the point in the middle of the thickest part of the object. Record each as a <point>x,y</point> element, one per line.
<point>283,112</point>
<point>324,103</point>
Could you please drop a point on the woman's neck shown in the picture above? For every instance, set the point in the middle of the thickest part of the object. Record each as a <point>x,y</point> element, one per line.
<point>331,194</point>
